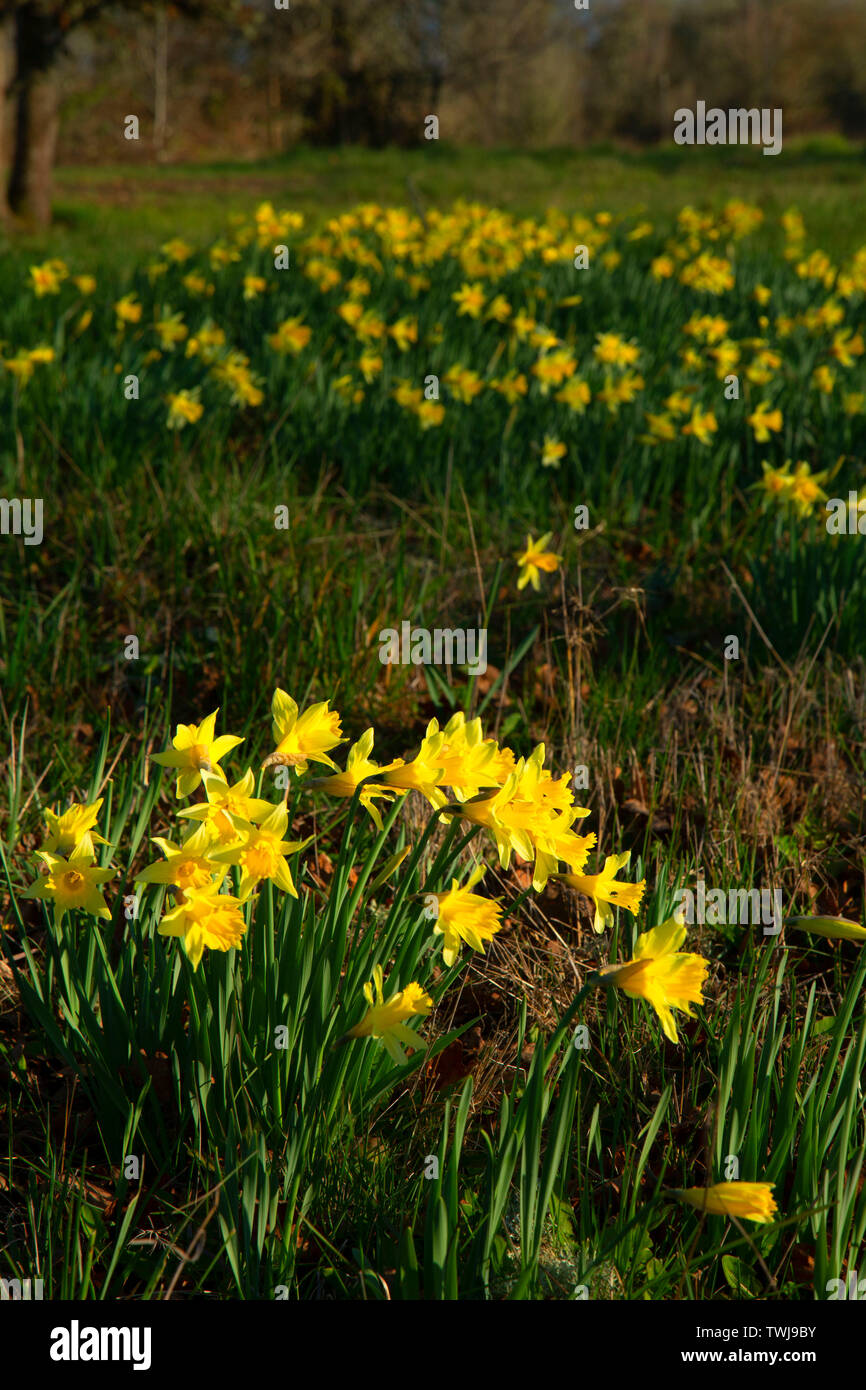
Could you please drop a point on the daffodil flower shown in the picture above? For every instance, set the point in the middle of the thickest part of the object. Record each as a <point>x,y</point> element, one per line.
<point>660,973</point>
<point>73,830</point>
<point>386,1019</point>
<point>749,1201</point>
<point>359,765</point>
<point>605,891</point>
<point>302,739</point>
<point>461,915</point>
<point>71,884</point>
<point>261,852</point>
<point>187,865</point>
<point>205,917</point>
<point>424,773</point>
<point>195,750</point>
<point>536,558</point>
<point>227,805</point>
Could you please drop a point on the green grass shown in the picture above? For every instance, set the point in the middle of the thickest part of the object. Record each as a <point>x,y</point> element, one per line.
<point>115,213</point>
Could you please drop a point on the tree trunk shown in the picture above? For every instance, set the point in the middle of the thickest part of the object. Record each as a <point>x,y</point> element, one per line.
<point>37,118</point>
<point>7,106</point>
<point>160,85</point>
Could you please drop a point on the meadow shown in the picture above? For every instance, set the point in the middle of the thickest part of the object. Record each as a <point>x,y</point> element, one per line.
<point>384,996</point>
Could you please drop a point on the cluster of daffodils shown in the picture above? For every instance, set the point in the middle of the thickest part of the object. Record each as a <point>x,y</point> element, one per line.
<point>460,772</point>
<point>527,812</point>
<point>795,488</point>
<point>463,775</point>
<point>70,878</point>
<point>473,309</point>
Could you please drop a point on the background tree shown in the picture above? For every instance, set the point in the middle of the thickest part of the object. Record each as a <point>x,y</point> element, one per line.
<point>230,78</point>
<point>33,38</point>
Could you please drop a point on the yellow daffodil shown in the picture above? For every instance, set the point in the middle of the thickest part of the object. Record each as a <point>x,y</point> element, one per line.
<point>423,773</point>
<point>45,279</point>
<point>530,815</point>
<point>660,973</point>
<point>302,739</point>
<point>464,383</point>
<point>177,250</point>
<point>662,267</point>
<point>429,414</point>
<point>470,299</point>
<point>763,420</point>
<point>291,336</point>
<point>261,853</point>
<point>206,342</point>
<point>605,891</point>
<point>712,274</point>
<point>360,765</point>
<point>613,350</point>
<point>71,884</point>
<point>195,749</point>
<point>554,368</point>
<point>847,346</point>
<point>196,284</point>
<point>386,1019</point>
<point>220,255</point>
<point>776,482</point>
<point>552,453</point>
<point>662,429</point>
<point>187,865</point>
<point>534,559</point>
<point>171,330</point>
<point>522,324</point>
<point>205,917</point>
<point>73,830</point>
<point>404,332</point>
<point>498,309</point>
<point>748,1201</point>
<point>227,805</point>
<point>466,760</point>
<point>184,407</point>
<point>371,364</point>
<point>512,386</point>
<point>707,328</point>
<point>575,394</point>
<point>804,488</point>
<point>127,310</point>
<point>678,403</point>
<point>702,425</point>
<point>824,380</point>
<point>461,915</point>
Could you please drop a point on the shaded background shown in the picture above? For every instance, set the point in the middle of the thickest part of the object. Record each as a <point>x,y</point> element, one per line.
<point>515,72</point>
<point>231,79</point>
